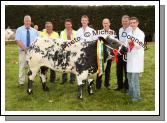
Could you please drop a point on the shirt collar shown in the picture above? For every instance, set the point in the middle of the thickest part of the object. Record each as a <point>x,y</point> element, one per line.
<point>108,30</point>
<point>48,33</point>
<point>66,30</point>
<point>135,30</point>
<point>26,27</point>
<point>125,28</point>
<point>85,28</point>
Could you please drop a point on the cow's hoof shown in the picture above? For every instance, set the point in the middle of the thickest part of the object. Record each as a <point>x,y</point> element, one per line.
<point>29,91</point>
<point>80,97</point>
<point>45,88</point>
<point>90,90</point>
<point>91,93</point>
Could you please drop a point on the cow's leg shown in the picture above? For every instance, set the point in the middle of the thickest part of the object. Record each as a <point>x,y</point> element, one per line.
<point>80,78</point>
<point>43,72</point>
<point>31,75</point>
<point>80,86</point>
<point>90,86</point>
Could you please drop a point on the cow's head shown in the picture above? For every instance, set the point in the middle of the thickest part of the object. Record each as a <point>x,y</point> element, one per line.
<point>112,43</point>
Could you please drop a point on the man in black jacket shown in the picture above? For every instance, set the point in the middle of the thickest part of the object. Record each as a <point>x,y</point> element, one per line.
<point>107,30</point>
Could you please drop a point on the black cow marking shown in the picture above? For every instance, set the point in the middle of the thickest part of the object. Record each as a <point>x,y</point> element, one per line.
<point>36,49</point>
<point>44,70</point>
<point>62,58</point>
<point>44,86</point>
<point>73,54</point>
<point>80,91</point>
<point>29,73</point>
<point>88,59</point>
<point>30,85</point>
<point>90,88</point>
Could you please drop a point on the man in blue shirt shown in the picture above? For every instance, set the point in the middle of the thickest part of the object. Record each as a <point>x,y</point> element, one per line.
<point>121,65</point>
<point>25,35</point>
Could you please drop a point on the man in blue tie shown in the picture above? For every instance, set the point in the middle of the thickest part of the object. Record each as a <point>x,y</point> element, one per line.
<point>24,36</point>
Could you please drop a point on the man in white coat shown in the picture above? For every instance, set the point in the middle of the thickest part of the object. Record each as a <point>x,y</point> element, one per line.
<point>135,58</point>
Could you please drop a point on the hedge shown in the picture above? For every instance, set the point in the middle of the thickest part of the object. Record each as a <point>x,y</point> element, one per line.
<point>58,13</point>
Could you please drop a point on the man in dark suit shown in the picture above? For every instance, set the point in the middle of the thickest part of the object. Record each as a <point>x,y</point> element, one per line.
<point>107,30</point>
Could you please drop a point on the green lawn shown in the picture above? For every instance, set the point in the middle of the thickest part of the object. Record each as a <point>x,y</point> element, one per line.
<point>63,97</point>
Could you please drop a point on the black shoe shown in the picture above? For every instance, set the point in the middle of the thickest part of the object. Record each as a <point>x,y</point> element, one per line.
<point>72,82</point>
<point>108,88</point>
<point>63,82</point>
<point>118,89</point>
<point>126,90</point>
<point>52,81</point>
<point>98,86</point>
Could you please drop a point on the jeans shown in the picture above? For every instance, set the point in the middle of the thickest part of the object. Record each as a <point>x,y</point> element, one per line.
<point>64,77</point>
<point>134,85</point>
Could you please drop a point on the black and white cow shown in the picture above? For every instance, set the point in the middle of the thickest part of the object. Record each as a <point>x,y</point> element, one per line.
<point>79,58</point>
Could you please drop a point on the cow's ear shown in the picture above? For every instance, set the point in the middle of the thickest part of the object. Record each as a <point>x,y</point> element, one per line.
<point>102,39</point>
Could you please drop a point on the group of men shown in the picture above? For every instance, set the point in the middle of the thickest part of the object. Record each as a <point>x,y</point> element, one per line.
<point>131,69</point>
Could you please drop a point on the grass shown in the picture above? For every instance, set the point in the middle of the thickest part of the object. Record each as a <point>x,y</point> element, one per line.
<point>63,97</point>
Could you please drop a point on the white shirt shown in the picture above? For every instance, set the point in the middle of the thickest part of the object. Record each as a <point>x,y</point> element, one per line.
<point>86,35</point>
<point>135,57</point>
<point>104,33</point>
<point>123,34</point>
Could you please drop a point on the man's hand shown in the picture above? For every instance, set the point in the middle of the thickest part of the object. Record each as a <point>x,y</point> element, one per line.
<point>21,45</point>
<point>129,41</point>
<point>25,50</point>
<point>113,58</point>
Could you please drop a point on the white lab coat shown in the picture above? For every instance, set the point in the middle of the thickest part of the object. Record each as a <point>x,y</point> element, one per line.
<point>135,58</point>
<point>86,35</point>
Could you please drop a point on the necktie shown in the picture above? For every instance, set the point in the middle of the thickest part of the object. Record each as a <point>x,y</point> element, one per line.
<point>28,37</point>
